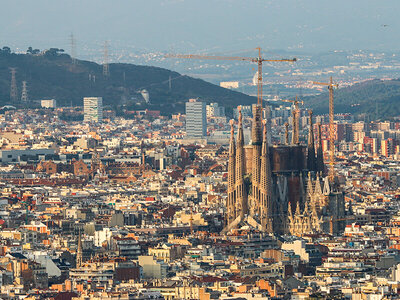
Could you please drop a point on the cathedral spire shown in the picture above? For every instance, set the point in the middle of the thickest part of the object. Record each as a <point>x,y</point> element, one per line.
<point>311,160</point>
<point>295,128</point>
<point>290,213</point>
<point>256,130</point>
<point>320,154</point>
<point>231,201</point>
<point>297,213</point>
<point>256,141</point>
<point>286,133</point>
<point>79,251</point>
<point>241,193</point>
<point>266,186</point>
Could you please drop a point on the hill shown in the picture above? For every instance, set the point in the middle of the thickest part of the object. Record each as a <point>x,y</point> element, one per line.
<point>379,99</point>
<point>52,75</point>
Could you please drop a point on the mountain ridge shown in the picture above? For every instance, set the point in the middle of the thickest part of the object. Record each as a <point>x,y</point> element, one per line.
<point>53,75</point>
<point>377,98</point>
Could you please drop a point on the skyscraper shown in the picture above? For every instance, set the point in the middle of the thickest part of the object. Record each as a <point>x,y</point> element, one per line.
<point>196,119</point>
<point>93,109</point>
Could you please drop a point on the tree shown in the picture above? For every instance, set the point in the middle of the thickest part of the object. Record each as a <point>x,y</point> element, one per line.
<point>6,50</point>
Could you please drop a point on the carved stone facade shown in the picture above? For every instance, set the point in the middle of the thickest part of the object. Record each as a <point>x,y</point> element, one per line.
<point>271,194</point>
<point>323,210</point>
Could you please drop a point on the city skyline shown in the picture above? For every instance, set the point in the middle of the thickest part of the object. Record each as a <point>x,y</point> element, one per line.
<point>123,175</point>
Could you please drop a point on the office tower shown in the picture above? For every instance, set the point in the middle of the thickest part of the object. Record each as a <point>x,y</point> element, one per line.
<point>93,109</point>
<point>196,119</point>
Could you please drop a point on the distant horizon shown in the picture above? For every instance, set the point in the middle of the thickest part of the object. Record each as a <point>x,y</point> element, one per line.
<point>209,26</point>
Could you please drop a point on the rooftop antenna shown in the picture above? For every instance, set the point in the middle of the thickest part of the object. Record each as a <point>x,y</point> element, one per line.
<point>106,67</point>
<point>73,48</point>
<point>24,95</point>
<point>13,89</point>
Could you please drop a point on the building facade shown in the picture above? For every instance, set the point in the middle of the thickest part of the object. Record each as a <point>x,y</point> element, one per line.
<point>268,187</point>
<point>93,109</point>
<point>196,119</point>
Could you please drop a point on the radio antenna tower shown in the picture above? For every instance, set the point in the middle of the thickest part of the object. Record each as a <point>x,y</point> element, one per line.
<point>73,48</point>
<point>106,67</point>
<point>24,95</point>
<point>13,89</point>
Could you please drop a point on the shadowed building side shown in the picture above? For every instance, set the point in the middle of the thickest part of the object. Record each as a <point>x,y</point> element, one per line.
<point>311,159</point>
<point>320,154</point>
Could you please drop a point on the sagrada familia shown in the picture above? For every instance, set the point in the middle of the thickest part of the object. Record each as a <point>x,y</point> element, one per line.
<point>280,189</point>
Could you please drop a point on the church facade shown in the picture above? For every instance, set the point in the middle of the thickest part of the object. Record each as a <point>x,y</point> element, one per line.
<point>279,189</point>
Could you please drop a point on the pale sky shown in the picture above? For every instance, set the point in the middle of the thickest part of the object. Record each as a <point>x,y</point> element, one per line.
<point>208,25</point>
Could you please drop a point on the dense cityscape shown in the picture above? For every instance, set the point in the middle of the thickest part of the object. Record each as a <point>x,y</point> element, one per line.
<point>165,207</point>
<point>128,171</point>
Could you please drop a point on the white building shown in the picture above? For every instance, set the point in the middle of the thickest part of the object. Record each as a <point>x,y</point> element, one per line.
<point>229,84</point>
<point>196,119</point>
<point>93,109</point>
<point>214,110</point>
<point>50,103</point>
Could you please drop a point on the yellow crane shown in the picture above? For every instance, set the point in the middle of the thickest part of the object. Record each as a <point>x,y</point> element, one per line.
<point>259,60</point>
<point>330,86</point>
<point>296,102</point>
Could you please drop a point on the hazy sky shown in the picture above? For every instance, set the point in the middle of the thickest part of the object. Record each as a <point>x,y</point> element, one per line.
<point>203,25</point>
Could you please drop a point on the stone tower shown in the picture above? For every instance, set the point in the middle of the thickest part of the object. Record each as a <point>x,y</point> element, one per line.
<point>79,252</point>
<point>311,159</point>
<point>320,153</point>
<point>240,167</point>
<point>286,133</point>
<point>295,127</point>
<point>265,203</point>
<point>231,201</point>
<point>256,141</point>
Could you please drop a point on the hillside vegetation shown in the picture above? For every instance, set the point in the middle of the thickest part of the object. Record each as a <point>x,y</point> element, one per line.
<point>52,75</point>
<point>378,99</point>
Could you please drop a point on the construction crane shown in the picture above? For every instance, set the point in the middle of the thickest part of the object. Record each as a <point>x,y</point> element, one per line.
<point>330,86</point>
<point>295,102</point>
<point>259,60</point>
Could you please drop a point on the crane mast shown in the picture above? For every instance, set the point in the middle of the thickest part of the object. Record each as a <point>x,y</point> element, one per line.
<point>259,60</point>
<point>331,86</point>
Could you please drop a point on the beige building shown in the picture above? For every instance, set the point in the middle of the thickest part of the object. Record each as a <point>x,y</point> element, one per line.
<point>152,269</point>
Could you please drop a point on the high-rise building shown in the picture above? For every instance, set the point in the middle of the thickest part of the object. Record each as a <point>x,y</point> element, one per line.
<point>196,119</point>
<point>93,109</point>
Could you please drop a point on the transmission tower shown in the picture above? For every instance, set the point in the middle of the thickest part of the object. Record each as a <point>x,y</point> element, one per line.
<point>13,89</point>
<point>24,95</point>
<point>106,67</point>
<point>73,48</point>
